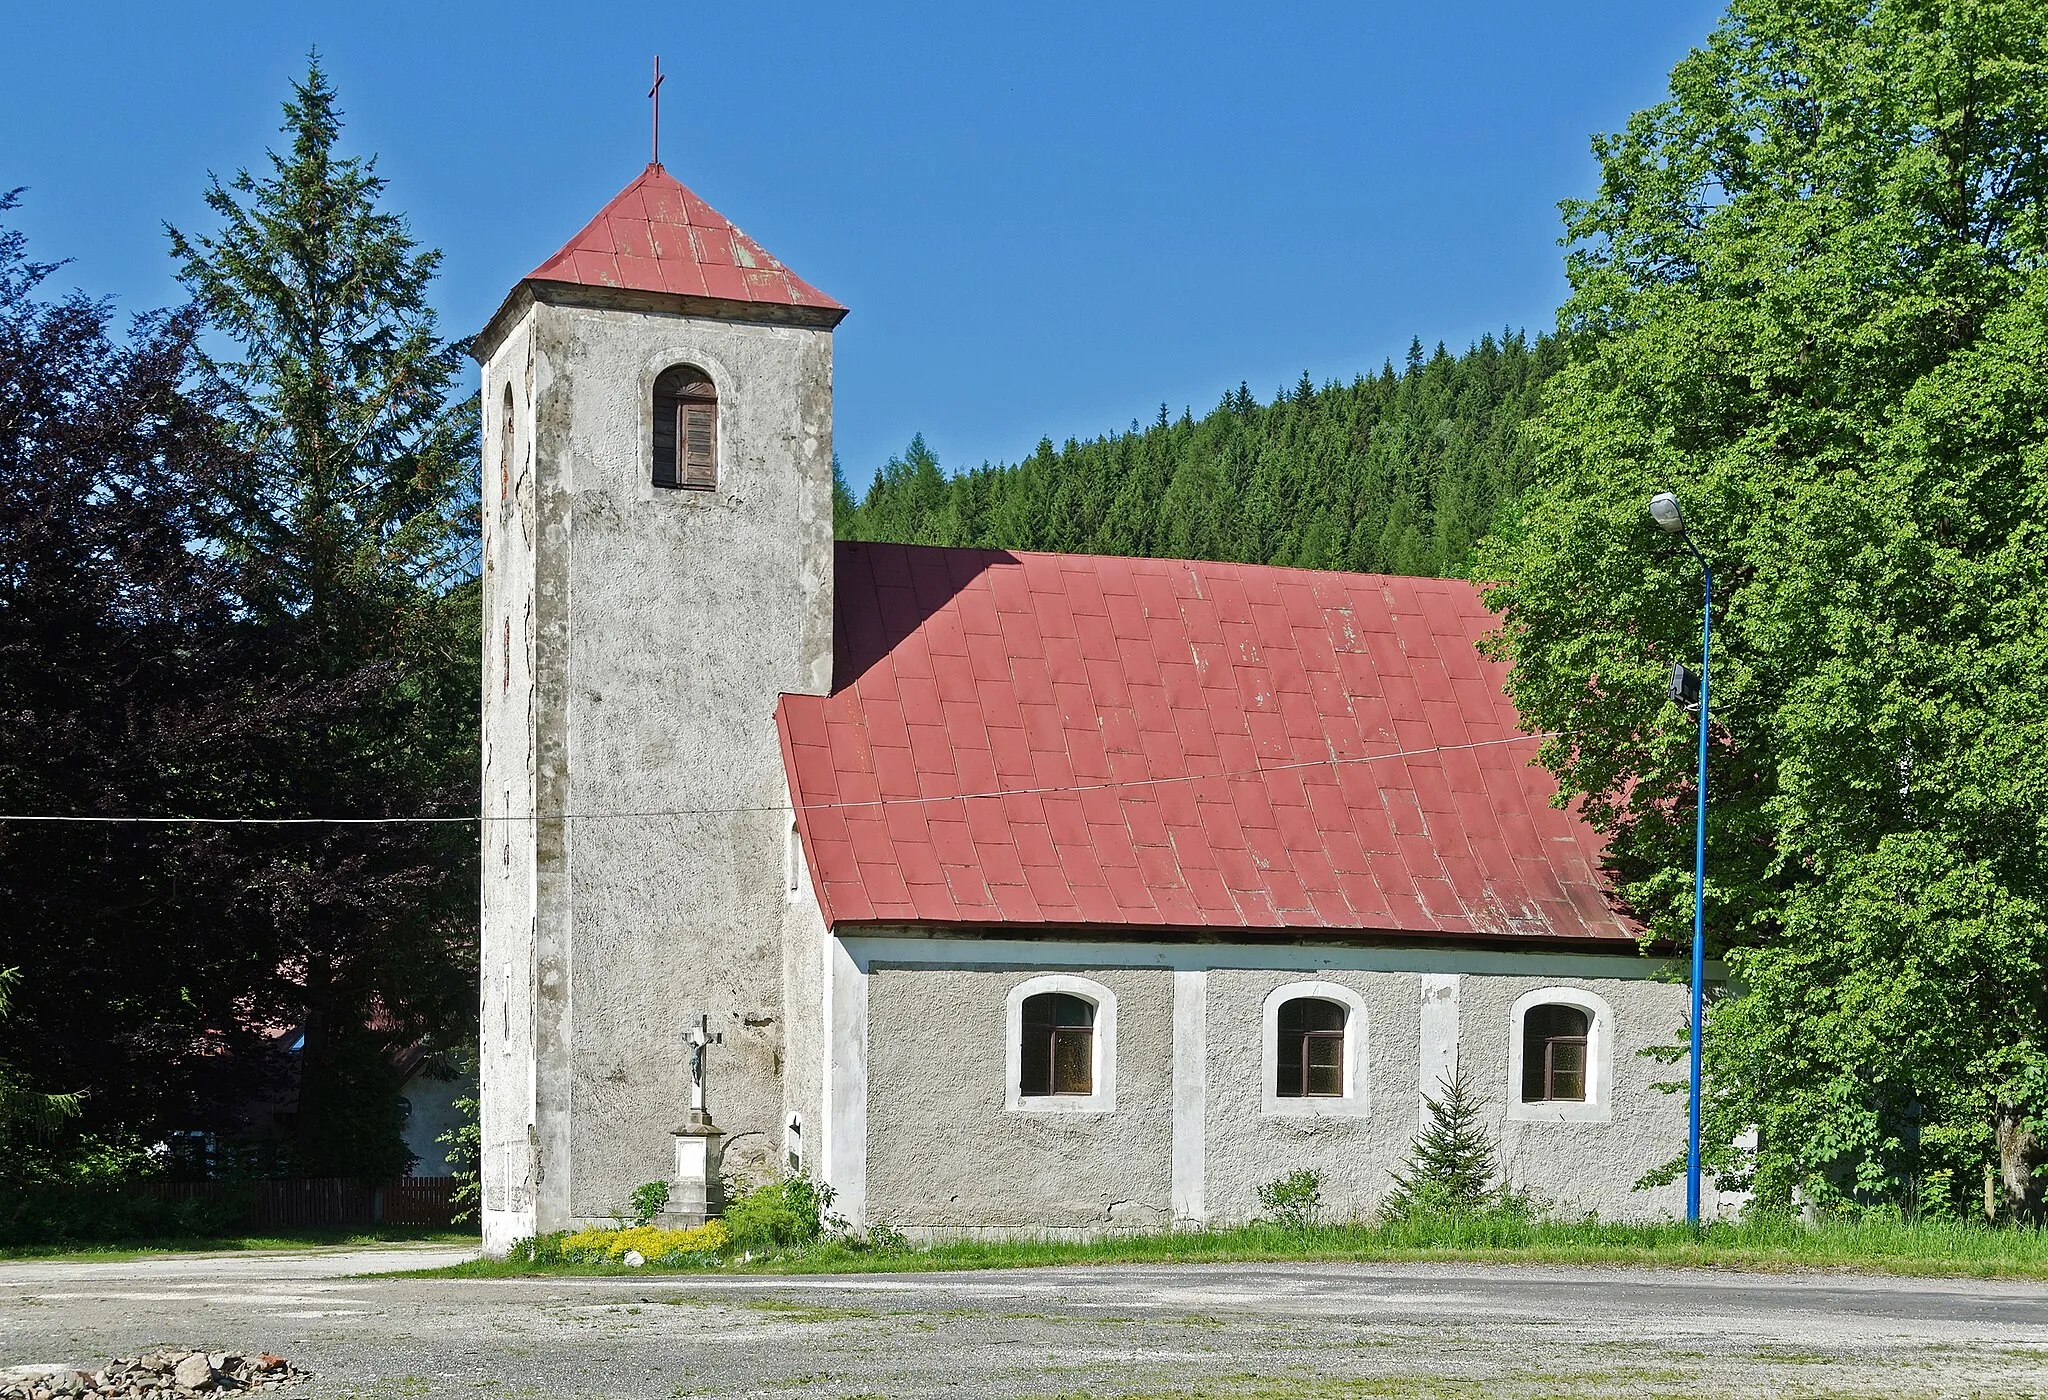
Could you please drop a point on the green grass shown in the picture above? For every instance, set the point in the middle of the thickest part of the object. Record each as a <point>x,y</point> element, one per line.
<point>1877,1246</point>
<point>290,1239</point>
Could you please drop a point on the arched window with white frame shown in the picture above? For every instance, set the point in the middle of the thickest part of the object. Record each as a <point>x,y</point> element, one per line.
<point>1313,1056</point>
<point>1061,1053</point>
<point>1560,1057</point>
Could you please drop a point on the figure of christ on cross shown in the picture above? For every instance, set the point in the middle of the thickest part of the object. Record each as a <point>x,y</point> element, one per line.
<point>699,1037</point>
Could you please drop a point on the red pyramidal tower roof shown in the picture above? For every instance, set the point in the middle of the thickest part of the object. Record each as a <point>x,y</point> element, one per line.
<point>656,236</point>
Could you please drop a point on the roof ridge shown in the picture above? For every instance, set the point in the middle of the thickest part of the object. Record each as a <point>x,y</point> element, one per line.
<point>1163,559</point>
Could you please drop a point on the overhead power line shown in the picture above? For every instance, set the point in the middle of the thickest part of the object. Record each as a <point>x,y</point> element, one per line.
<point>1058,791</point>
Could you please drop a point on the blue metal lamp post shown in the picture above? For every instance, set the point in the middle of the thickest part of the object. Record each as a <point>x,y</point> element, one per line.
<point>1664,510</point>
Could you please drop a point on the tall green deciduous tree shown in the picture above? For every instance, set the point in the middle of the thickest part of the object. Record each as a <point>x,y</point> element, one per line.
<point>355,517</point>
<point>1809,297</point>
<point>131,682</point>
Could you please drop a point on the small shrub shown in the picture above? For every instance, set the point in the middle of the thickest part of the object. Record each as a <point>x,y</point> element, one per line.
<point>792,1211</point>
<point>538,1249</point>
<point>877,1239</point>
<point>649,1200</point>
<point>465,1144</point>
<point>1934,1197</point>
<point>1293,1201</point>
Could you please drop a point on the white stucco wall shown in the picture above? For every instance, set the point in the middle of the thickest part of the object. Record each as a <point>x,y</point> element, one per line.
<point>1196,1129</point>
<point>508,1109</point>
<point>1250,1142</point>
<point>806,953</point>
<point>945,1149</point>
<point>661,627</point>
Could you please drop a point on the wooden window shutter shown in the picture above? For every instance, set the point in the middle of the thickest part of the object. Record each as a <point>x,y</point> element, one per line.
<point>685,429</point>
<point>665,414</point>
<point>700,446</point>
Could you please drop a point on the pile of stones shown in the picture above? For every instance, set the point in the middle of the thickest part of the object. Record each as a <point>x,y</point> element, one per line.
<point>161,1375</point>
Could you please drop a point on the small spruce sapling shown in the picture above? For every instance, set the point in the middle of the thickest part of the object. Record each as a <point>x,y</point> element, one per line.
<point>1450,1168</point>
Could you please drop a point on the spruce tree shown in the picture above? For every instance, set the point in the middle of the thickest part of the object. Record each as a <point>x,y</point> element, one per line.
<point>1450,1168</point>
<point>354,513</point>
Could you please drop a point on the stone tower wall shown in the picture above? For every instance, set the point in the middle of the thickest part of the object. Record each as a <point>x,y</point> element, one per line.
<point>657,628</point>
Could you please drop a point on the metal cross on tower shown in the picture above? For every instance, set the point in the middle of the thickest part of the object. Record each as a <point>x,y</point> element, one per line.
<point>655,93</point>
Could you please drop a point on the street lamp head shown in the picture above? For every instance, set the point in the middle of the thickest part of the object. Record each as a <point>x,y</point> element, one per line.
<point>1664,510</point>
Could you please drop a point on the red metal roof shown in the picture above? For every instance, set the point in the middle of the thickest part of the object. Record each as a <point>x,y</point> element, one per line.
<point>657,236</point>
<point>1062,740</point>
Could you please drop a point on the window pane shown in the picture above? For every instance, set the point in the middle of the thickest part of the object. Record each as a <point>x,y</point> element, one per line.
<point>1568,1069</point>
<point>1287,1081</point>
<point>1554,1019</point>
<point>1035,1076</point>
<point>1326,1066</point>
<point>1072,1052</point>
<point>1304,1014</point>
<point>1535,1089</point>
<point>1544,1058</point>
<point>1072,1011</point>
<point>1050,1009</point>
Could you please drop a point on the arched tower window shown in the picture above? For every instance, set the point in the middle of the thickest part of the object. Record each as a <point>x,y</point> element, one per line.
<point>685,429</point>
<point>508,441</point>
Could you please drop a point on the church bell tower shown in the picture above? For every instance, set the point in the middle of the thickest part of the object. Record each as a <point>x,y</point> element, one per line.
<point>657,526</point>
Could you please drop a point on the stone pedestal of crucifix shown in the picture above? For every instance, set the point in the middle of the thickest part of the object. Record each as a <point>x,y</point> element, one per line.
<point>693,1192</point>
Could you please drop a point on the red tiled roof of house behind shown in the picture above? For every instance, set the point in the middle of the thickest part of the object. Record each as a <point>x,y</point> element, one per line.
<point>657,236</point>
<point>1175,745</point>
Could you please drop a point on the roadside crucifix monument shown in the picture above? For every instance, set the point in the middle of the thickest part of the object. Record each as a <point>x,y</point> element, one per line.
<point>693,1191</point>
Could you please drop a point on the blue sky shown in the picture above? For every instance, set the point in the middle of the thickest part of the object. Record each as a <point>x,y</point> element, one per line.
<point>1046,219</point>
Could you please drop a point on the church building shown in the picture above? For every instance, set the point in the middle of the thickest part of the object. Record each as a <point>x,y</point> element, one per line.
<point>1012,892</point>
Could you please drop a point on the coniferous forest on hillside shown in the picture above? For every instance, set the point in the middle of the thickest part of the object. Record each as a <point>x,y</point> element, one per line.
<point>1402,472</point>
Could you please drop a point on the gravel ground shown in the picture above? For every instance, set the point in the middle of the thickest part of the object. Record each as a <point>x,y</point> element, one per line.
<point>1245,1332</point>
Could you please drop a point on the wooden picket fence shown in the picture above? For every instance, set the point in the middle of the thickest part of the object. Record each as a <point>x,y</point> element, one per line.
<point>317,1203</point>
